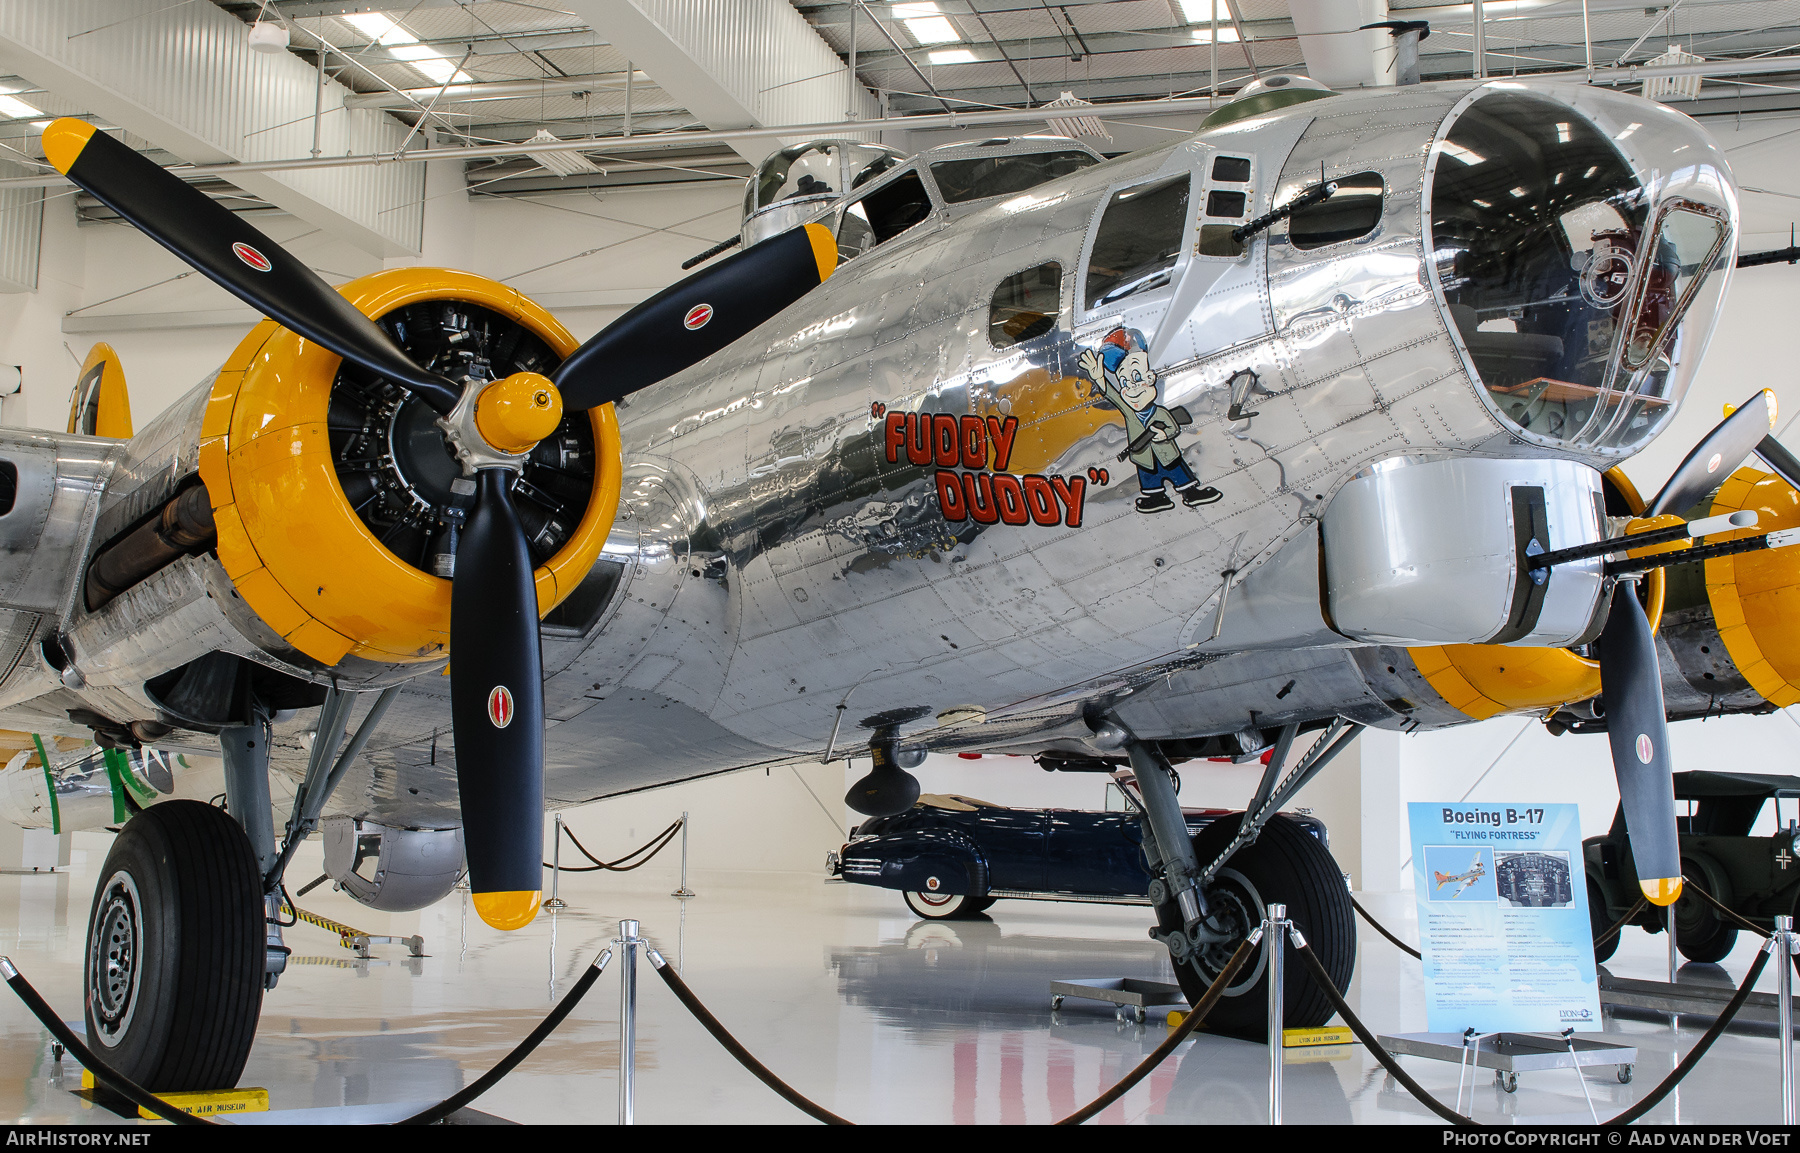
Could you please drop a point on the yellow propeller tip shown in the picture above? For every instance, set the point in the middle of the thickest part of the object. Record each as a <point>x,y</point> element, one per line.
<point>1661,890</point>
<point>508,911</point>
<point>64,140</point>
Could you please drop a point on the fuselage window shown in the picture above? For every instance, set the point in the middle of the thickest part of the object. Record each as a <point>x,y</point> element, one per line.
<point>984,176</point>
<point>1235,169</point>
<point>1025,305</point>
<point>1352,211</point>
<point>882,215</point>
<point>1138,241</point>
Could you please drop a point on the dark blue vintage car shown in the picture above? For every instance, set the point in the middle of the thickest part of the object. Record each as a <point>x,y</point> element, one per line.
<point>954,856</point>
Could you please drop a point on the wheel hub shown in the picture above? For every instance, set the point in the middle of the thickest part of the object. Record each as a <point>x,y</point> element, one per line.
<point>115,953</point>
<point>1234,909</point>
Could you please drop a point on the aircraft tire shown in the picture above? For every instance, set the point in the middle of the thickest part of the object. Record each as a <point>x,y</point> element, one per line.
<point>173,971</point>
<point>1286,864</point>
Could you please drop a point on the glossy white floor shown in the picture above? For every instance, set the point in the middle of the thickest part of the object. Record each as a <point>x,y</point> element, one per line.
<point>874,1014</point>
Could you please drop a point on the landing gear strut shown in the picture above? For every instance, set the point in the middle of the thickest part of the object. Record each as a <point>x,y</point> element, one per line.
<point>1211,891</point>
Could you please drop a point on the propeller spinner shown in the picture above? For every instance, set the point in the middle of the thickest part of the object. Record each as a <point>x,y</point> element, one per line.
<point>497,681</point>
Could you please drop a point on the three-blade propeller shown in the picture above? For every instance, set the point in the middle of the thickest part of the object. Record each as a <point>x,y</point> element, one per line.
<point>1637,723</point>
<point>497,680</point>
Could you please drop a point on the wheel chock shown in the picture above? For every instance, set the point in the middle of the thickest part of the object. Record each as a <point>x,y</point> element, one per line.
<point>202,1102</point>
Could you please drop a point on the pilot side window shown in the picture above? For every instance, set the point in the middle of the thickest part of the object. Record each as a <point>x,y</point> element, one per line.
<point>1352,211</point>
<point>1025,305</point>
<point>882,215</point>
<point>1138,241</point>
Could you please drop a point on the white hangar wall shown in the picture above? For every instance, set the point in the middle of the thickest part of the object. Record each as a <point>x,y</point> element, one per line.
<point>106,282</point>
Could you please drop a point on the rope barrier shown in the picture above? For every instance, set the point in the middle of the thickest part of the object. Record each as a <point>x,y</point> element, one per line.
<point>1667,1084</point>
<point>119,1083</point>
<point>653,846</point>
<point>103,1073</point>
<point>1618,926</point>
<point>520,1051</point>
<point>1723,908</point>
<point>761,1071</point>
<point>1380,928</point>
<point>1323,980</point>
<point>1194,1019</point>
<point>1644,1104</point>
<point>1191,1022</point>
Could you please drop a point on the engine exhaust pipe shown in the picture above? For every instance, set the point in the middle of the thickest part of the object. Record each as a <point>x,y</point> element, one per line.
<point>184,528</point>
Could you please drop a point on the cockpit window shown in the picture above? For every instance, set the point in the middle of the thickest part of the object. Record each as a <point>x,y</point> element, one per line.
<point>1537,226</point>
<point>1025,305</point>
<point>882,215</point>
<point>1352,211</point>
<point>1138,241</point>
<point>984,176</point>
<point>1688,240</point>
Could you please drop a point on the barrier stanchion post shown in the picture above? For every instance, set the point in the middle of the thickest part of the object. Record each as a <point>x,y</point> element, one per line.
<point>684,892</point>
<point>629,941</point>
<point>1674,960</point>
<point>1782,942</point>
<point>1275,947</point>
<point>556,902</point>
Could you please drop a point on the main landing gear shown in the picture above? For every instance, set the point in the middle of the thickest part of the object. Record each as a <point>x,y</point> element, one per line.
<point>174,968</point>
<point>1212,890</point>
<point>181,939</point>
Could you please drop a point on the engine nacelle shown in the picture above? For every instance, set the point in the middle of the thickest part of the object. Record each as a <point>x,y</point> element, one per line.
<point>336,506</point>
<point>1726,635</point>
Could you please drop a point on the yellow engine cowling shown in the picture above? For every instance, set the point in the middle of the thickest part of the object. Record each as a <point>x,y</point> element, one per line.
<point>288,537</point>
<point>1755,596</point>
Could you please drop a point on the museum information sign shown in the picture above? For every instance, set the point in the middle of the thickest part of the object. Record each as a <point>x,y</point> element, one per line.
<point>1503,917</point>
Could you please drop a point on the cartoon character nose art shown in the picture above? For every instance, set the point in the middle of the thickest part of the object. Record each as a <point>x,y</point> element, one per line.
<point>1120,370</point>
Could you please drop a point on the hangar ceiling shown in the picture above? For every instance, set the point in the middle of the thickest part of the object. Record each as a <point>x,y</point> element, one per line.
<point>492,73</point>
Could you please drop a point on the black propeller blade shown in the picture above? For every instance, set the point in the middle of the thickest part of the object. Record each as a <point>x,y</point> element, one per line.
<point>232,254</point>
<point>691,319</point>
<point>497,707</point>
<point>1713,459</point>
<point>1638,727</point>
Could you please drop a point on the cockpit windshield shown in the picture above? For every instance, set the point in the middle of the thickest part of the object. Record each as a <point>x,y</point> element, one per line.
<point>1539,227</point>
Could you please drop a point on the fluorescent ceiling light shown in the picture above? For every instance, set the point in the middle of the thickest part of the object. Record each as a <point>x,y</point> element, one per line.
<point>380,29</point>
<point>951,56</point>
<point>40,125</point>
<point>563,163</point>
<point>430,61</point>
<point>1562,132</point>
<point>1457,152</point>
<point>926,22</point>
<point>1629,129</point>
<point>16,109</point>
<point>1227,34</point>
<point>442,71</point>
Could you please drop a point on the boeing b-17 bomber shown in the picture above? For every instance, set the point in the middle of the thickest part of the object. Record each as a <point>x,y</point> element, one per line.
<point>1307,422</point>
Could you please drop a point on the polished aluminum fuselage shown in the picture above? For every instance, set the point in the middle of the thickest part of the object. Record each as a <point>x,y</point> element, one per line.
<point>791,583</point>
